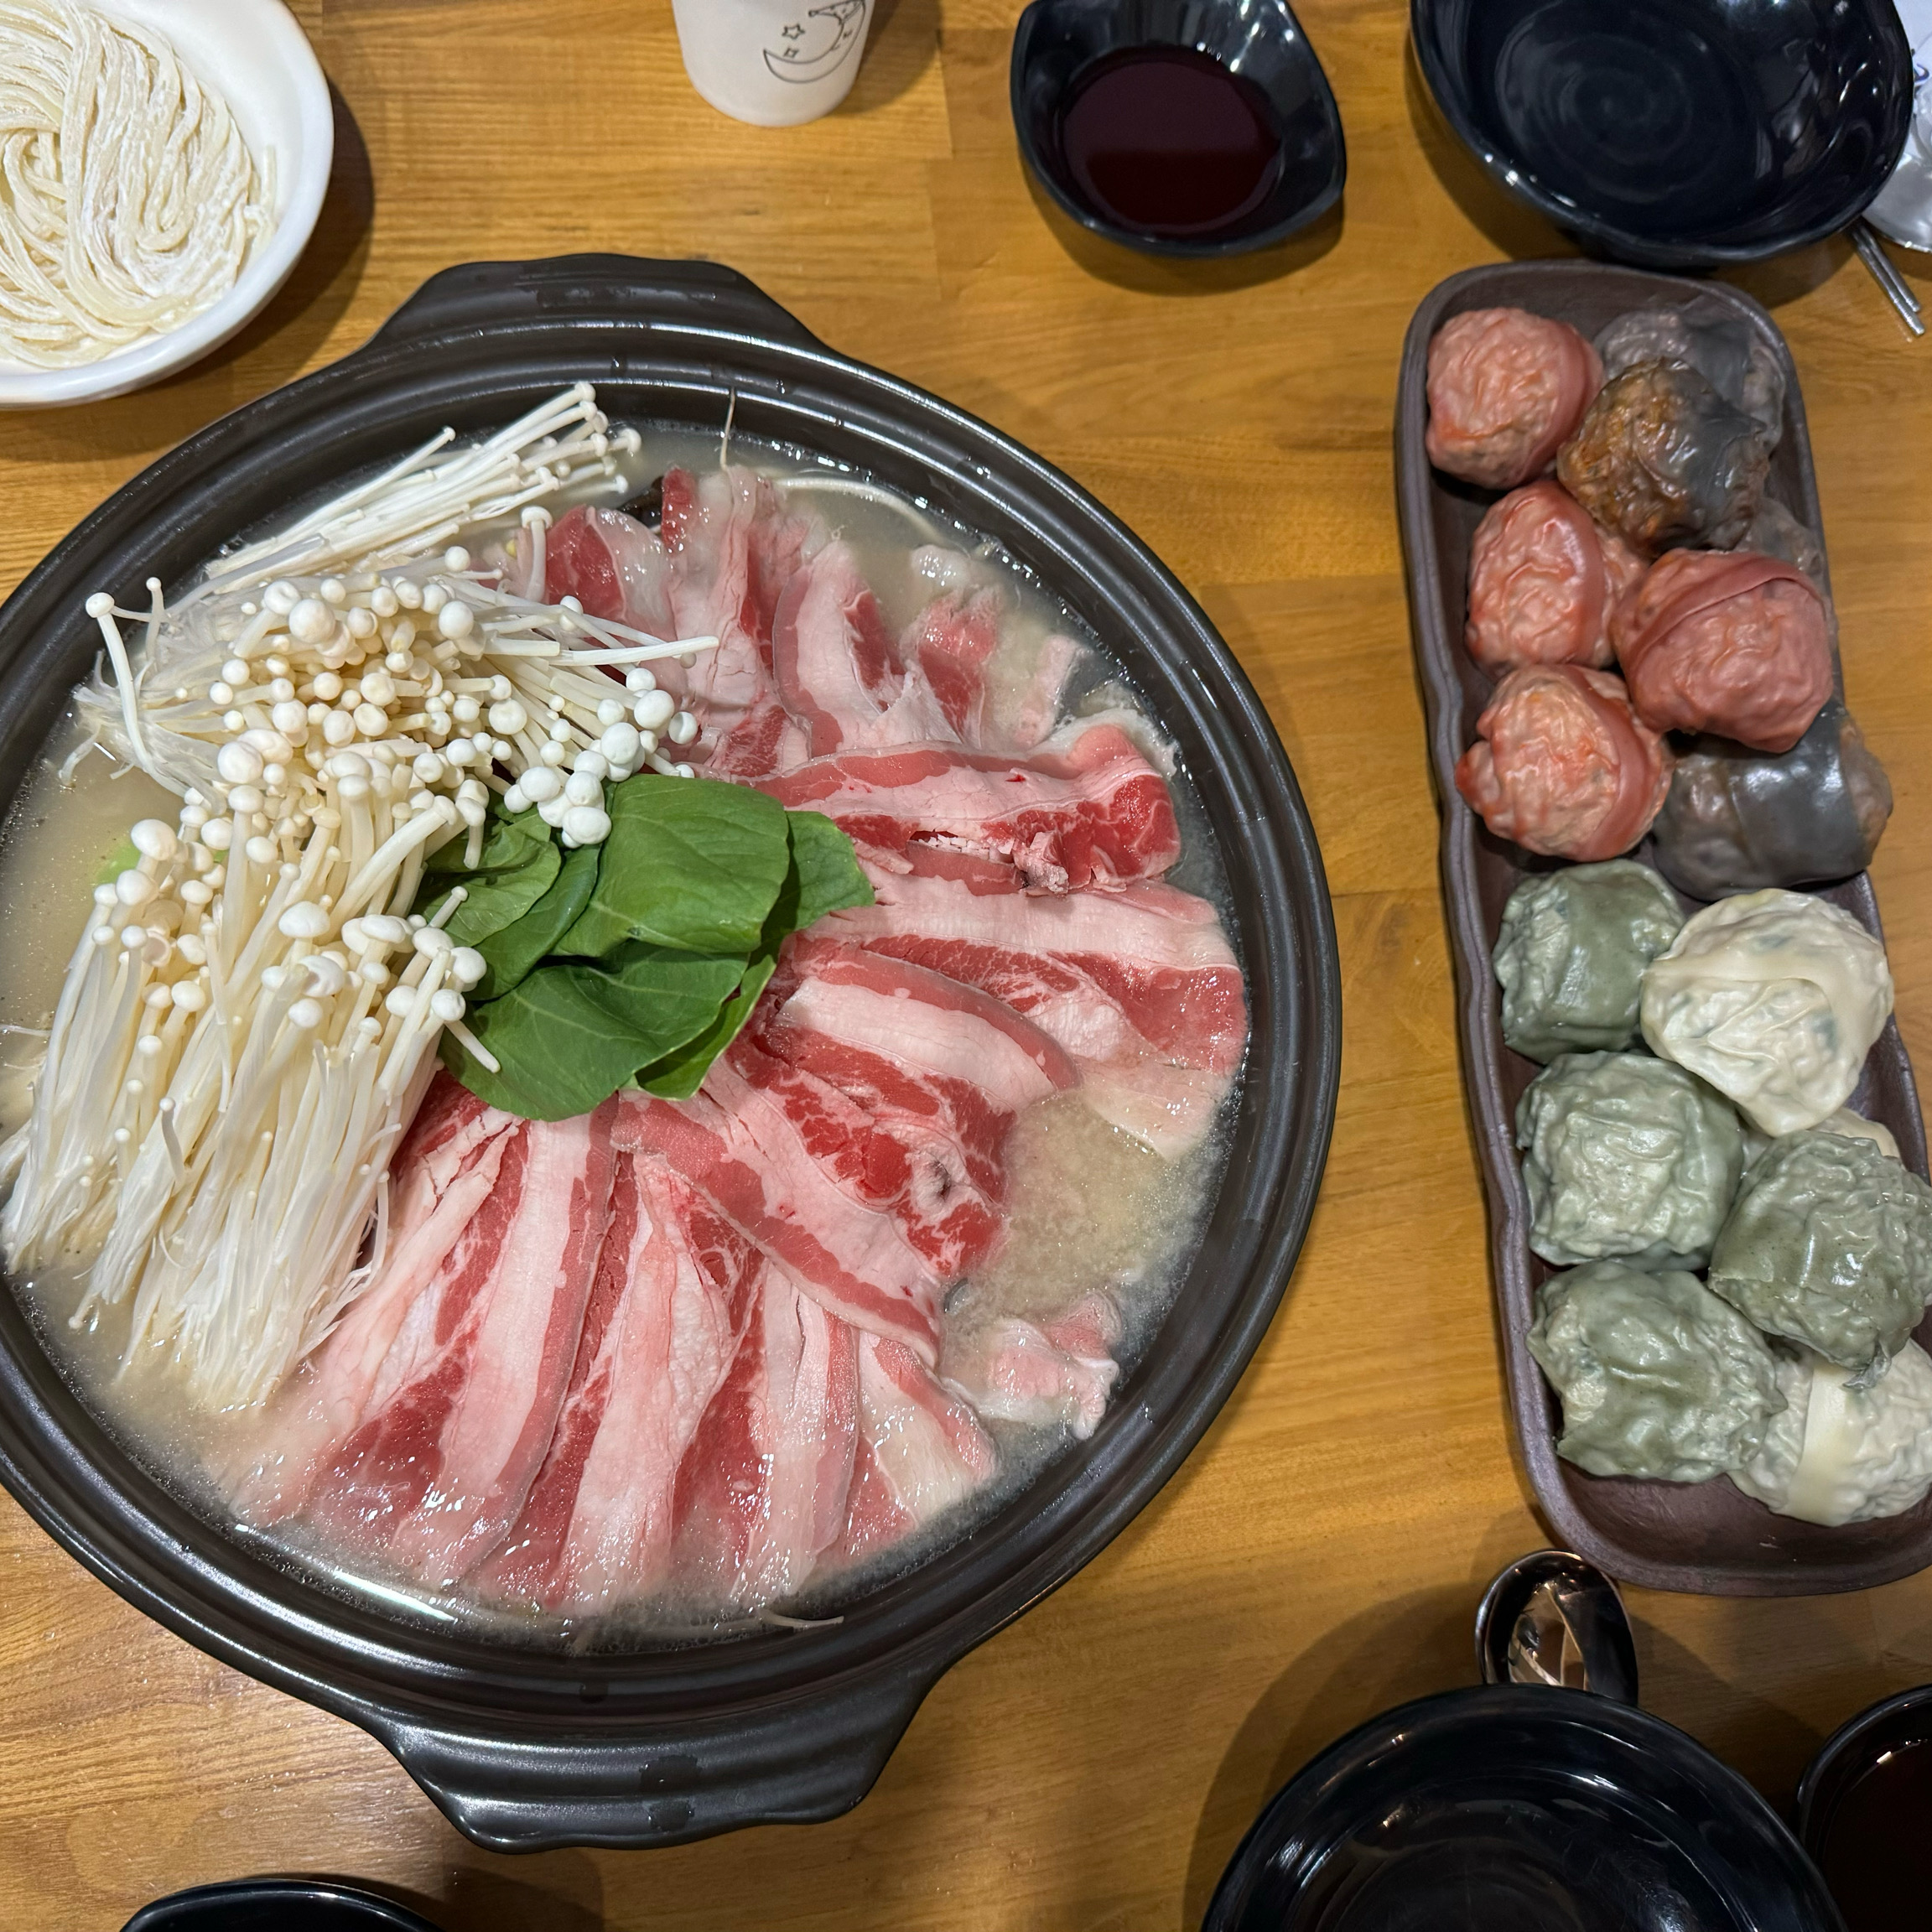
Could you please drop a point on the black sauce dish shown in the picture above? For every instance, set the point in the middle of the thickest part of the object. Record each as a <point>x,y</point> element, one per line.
<point>1863,1805</point>
<point>1676,133</point>
<point>1128,112</point>
<point>524,1746</point>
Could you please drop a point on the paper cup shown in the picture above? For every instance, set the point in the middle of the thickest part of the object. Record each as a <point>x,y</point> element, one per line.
<point>774,62</point>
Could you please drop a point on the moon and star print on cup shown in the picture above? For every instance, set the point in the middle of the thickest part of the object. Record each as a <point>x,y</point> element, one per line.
<point>773,62</point>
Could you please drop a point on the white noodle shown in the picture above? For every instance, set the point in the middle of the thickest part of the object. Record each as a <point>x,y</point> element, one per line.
<point>128,199</point>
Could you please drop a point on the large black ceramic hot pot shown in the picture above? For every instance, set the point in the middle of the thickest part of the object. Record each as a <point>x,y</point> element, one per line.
<point>525,1746</point>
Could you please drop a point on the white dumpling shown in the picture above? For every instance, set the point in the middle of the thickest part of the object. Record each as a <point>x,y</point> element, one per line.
<point>1851,1126</point>
<point>1839,1454</point>
<point>1774,998</point>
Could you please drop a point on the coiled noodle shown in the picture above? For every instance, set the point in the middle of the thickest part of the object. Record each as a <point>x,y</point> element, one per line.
<point>128,198</point>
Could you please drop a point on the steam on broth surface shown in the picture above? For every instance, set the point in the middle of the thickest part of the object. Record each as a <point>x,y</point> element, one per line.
<point>1089,1229</point>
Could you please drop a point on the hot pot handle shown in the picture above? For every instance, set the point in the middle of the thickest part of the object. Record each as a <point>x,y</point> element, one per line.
<point>798,1761</point>
<point>704,296</point>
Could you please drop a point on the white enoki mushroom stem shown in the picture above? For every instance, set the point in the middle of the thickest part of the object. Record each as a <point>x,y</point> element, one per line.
<point>247,1024</point>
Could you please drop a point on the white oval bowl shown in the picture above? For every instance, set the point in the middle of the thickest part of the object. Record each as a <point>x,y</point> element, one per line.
<point>253,53</point>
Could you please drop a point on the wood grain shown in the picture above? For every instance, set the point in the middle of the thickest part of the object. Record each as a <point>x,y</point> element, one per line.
<point>1320,1555</point>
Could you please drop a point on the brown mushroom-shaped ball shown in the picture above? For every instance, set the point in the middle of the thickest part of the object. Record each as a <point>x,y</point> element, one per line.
<point>1505,388</point>
<point>1662,460</point>
<point>1729,642</point>
<point>1564,766</point>
<point>1543,581</point>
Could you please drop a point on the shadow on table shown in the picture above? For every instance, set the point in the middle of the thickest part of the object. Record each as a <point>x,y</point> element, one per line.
<point>1408,1647</point>
<point>903,43</point>
<point>1516,229</point>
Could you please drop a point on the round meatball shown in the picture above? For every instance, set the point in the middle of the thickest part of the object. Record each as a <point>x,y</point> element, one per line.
<point>1563,765</point>
<point>1544,581</point>
<point>1505,388</point>
<point>1728,641</point>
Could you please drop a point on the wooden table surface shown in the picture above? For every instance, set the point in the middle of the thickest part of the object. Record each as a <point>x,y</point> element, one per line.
<point>1319,1557</point>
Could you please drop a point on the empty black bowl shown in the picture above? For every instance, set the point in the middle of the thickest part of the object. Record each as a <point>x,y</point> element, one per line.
<point>1063,47</point>
<point>1518,1809</point>
<point>1676,133</point>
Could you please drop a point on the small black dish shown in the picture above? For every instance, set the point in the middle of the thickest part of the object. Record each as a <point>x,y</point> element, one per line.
<point>276,1905</point>
<point>1863,1805</point>
<point>1240,71</point>
<point>1676,133</point>
<point>1518,1809</point>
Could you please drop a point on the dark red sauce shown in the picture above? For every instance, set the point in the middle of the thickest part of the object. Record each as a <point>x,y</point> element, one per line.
<point>1876,1857</point>
<point>1168,141</point>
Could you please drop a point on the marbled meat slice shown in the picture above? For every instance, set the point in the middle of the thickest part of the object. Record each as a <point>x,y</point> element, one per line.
<point>1045,1374</point>
<point>931,1074</point>
<point>927,1445</point>
<point>1139,986</point>
<point>442,1179</point>
<point>952,640</point>
<point>735,548</point>
<point>1087,809</point>
<point>762,1490</point>
<point>615,567</point>
<point>675,1289</point>
<point>839,667</point>
<point>735,1142</point>
<point>465,1403</point>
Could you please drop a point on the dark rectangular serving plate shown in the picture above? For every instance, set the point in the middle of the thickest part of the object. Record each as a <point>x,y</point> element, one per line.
<point>1705,1537</point>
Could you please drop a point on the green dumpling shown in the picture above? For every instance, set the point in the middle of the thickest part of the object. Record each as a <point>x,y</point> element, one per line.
<point>1572,953</point>
<point>1658,1378</point>
<point>1830,1243</point>
<point>1627,1158</point>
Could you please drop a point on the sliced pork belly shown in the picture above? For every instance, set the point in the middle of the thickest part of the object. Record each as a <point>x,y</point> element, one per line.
<point>935,1070</point>
<point>463,1407</point>
<point>613,565</point>
<point>675,1289</point>
<point>734,548</point>
<point>1055,1374</point>
<point>1090,811</point>
<point>442,1237</point>
<point>737,1145</point>
<point>1139,986</point>
<point>762,1490</point>
<point>839,668</point>
<point>759,744</point>
<point>952,640</point>
<point>927,1445</point>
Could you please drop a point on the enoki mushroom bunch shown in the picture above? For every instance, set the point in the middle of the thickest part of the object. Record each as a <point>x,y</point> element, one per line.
<point>247,1026</point>
<point>128,198</point>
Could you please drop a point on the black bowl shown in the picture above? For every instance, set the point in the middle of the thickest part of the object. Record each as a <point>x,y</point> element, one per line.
<point>276,1905</point>
<point>531,1746</point>
<point>1261,41</point>
<point>1676,133</point>
<point>1850,1828</point>
<point>1517,1809</point>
